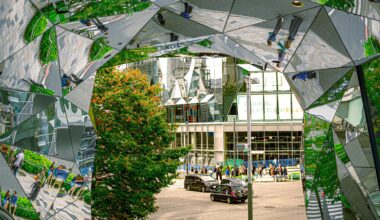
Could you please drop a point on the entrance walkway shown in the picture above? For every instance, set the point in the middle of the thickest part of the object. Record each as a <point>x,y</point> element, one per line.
<point>281,200</point>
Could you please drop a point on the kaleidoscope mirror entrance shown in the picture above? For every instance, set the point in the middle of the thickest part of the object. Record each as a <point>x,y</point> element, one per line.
<point>50,51</point>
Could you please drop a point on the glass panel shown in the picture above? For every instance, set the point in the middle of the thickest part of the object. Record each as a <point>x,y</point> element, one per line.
<point>311,85</point>
<point>211,13</point>
<point>296,109</point>
<point>257,87</point>
<point>282,83</point>
<point>321,48</point>
<point>270,81</point>
<point>284,107</point>
<point>10,188</point>
<point>275,40</point>
<point>247,12</point>
<point>112,28</point>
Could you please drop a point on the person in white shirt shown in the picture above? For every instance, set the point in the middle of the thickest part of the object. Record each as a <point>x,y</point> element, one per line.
<point>18,162</point>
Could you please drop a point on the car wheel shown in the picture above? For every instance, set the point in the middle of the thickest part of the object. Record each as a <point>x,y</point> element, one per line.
<point>243,201</point>
<point>229,201</point>
<point>212,198</point>
<point>203,189</point>
<point>188,188</point>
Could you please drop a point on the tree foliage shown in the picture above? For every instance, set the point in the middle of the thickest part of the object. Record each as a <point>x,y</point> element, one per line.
<point>133,161</point>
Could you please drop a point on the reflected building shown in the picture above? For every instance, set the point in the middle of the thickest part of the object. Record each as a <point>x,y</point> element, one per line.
<point>204,96</point>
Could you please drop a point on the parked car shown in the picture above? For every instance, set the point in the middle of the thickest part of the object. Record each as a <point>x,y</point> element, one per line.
<point>229,192</point>
<point>232,181</point>
<point>202,183</point>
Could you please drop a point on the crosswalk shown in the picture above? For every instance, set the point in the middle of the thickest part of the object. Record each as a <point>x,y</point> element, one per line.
<point>330,210</point>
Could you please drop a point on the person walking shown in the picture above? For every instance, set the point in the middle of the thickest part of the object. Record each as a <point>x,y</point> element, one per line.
<point>227,172</point>
<point>261,171</point>
<point>18,162</point>
<point>13,202</point>
<point>7,199</point>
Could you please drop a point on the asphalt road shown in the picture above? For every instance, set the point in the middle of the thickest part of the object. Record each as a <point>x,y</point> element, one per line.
<point>271,201</point>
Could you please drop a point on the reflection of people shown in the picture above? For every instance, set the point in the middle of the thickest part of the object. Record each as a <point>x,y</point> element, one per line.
<point>13,202</point>
<point>293,29</point>
<point>76,182</point>
<point>39,181</point>
<point>7,199</point>
<point>186,13</point>
<point>50,173</point>
<point>18,162</point>
<point>305,75</point>
<point>272,35</point>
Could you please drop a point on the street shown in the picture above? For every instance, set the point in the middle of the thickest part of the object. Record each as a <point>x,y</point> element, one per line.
<point>281,200</point>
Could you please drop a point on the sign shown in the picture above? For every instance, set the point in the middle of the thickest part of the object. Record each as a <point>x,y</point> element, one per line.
<point>41,143</point>
<point>270,107</point>
<point>13,99</point>
<point>256,107</point>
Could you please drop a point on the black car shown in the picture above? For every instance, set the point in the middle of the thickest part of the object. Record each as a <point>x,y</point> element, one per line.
<point>229,193</point>
<point>202,183</point>
<point>232,181</point>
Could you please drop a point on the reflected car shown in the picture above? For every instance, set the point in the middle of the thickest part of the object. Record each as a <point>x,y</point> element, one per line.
<point>229,193</point>
<point>202,183</point>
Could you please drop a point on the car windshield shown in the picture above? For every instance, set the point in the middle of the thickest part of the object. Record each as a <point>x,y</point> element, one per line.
<point>238,183</point>
<point>207,178</point>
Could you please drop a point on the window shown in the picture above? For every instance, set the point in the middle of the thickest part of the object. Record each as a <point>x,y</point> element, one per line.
<point>270,81</point>
<point>284,107</point>
<point>270,107</point>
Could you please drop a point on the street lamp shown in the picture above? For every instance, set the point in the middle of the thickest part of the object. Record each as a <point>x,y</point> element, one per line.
<point>248,81</point>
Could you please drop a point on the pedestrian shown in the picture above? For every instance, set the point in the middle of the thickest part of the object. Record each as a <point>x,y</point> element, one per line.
<point>7,199</point>
<point>241,169</point>
<point>196,171</point>
<point>253,170</point>
<point>272,35</point>
<point>13,202</point>
<point>50,173</point>
<point>236,171</point>
<point>18,162</point>
<point>293,29</point>
<point>228,171</point>
<point>192,169</point>
<point>205,170</point>
<point>261,171</point>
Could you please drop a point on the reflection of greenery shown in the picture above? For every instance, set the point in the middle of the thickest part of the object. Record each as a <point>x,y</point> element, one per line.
<point>91,9</point>
<point>320,159</point>
<point>33,162</point>
<point>52,14</point>
<point>24,208</point>
<point>341,153</point>
<point>343,5</point>
<point>206,43</point>
<point>48,48</point>
<point>371,46</point>
<point>99,49</point>
<point>35,27</point>
<point>372,80</point>
<point>129,56</point>
<point>96,9</point>
<point>41,90</point>
<point>335,93</point>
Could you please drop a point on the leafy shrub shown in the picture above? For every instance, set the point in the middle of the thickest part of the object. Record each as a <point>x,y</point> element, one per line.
<point>99,49</point>
<point>87,197</point>
<point>371,46</point>
<point>343,5</point>
<point>48,48</point>
<point>33,162</point>
<point>35,27</point>
<point>129,56</point>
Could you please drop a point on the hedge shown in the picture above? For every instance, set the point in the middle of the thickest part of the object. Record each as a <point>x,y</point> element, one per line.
<point>35,27</point>
<point>33,162</point>
<point>48,48</point>
<point>99,49</point>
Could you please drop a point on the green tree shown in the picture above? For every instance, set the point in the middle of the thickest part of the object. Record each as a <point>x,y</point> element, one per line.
<point>133,160</point>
